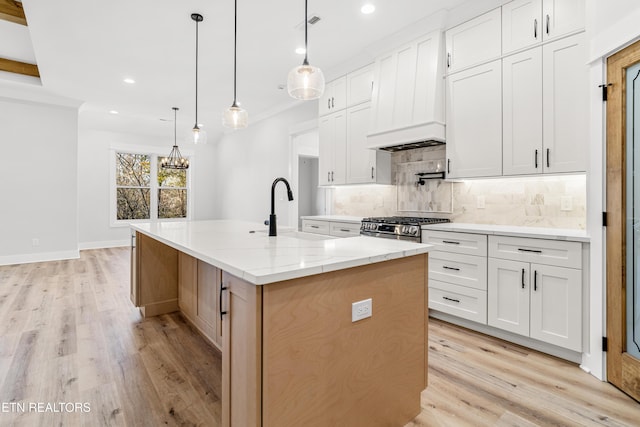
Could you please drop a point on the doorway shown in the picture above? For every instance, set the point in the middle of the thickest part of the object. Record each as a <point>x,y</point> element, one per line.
<point>623,220</point>
<point>311,198</point>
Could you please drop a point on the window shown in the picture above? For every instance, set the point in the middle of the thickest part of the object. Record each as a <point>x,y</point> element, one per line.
<point>145,191</point>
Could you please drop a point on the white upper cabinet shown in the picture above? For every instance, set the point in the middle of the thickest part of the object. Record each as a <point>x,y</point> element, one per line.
<point>408,94</point>
<point>474,42</point>
<point>522,24</point>
<point>565,104</point>
<point>522,113</point>
<point>364,165</point>
<point>562,17</point>
<point>332,134</point>
<point>359,86</point>
<point>474,122</point>
<point>526,23</point>
<point>334,97</point>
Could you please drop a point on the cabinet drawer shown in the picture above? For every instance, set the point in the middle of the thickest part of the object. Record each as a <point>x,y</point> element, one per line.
<point>461,243</point>
<point>465,270</point>
<point>344,229</point>
<point>549,252</point>
<point>458,300</point>
<point>315,226</point>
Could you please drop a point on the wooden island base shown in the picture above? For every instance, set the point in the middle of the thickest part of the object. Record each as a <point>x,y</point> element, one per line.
<point>292,356</point>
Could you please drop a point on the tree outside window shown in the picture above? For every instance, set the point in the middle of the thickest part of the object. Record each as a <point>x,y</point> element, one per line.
<point>139,192</point>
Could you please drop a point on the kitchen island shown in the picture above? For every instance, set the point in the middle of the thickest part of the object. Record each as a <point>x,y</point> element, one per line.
<point>280,309</point>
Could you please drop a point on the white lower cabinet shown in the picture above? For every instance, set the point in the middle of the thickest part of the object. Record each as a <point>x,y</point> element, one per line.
<point>458,274</point>
<point>540,301</point>
<point>331,228</point>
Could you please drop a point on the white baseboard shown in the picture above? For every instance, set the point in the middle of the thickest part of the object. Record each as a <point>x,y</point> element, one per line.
<point>104,244</point>
<point>38,257</point>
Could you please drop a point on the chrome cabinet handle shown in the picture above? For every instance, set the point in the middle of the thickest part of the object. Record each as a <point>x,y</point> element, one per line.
<point>448,166</point>
<point>333,104</point>
<point>523,278</point>
<point>451,268</point>
<point>328,176</point>
<point>535,28</point>
<point>451,299</point>
<point>332,176</point>
<point>448,60</point>
<point>535,280</point>
<point>536,159</point>
<point>548,22</point>
<point>328,103</point>
<point>222,288</point>
<point>372,172</point>
<point>346,230</point>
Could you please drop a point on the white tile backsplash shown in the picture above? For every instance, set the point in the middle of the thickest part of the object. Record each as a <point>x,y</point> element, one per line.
<point>524,201</point>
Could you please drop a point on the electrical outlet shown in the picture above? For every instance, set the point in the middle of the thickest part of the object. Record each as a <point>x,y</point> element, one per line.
<point>480,202</point>
<point>361,310</point>
<point>566,203</point>
<point>35,242</point>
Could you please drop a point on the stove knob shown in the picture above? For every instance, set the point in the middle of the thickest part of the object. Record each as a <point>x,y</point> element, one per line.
<point>414,230</point>
<point>404,229</point>
<point>374,226</point>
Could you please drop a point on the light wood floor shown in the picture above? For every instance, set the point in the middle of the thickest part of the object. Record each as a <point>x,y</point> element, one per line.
<point>68,333</point>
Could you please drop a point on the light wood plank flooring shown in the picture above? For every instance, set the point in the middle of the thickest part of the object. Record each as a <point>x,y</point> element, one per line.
<point>68,333</point>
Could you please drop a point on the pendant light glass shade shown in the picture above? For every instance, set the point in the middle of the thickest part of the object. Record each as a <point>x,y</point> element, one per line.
<point>305,81</point>
<point>235,117</point>
<point>198,135</point>
<point>175,159</point>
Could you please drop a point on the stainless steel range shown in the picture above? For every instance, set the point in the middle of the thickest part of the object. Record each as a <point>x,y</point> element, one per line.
<point>397,227</point>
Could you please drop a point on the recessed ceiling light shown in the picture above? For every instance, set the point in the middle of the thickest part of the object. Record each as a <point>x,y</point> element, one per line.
<point>129,80</point>
<point>113,112</point>
<point>367,9</point>
<point>301,51</point>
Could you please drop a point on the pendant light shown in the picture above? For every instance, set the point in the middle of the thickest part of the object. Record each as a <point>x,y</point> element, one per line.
<point>198,135</point>
<point>235,117</point>
<point>175,159</point>
<point>305,81</point>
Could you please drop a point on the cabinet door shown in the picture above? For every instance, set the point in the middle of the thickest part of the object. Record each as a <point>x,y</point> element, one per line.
<point>326,132</point>
<point>359,86</point>
<point>474,42</point>
<point>562,17</point>
<point>474,122</point>
<point>384,78</point>
<point>522,113</point>
<point>208,313</point>
<point>332,162</point>
<point>361,161</point>
<point>334,97</point>
<point>508,295</point>
<point>241,353</point>
<point>521,24</point>
<point>565,104</point>
<point>187,281</point>
<point>556,306</point>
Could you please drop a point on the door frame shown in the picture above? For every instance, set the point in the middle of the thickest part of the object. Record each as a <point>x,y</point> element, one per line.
<point>622,369</point>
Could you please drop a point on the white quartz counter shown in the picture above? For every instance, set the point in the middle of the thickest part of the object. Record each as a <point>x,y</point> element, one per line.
<point>245,250</point>
<point>335,218</point>
<point>515,231</point>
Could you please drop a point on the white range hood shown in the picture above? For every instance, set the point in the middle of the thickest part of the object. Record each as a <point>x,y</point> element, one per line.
<point>408,96</point>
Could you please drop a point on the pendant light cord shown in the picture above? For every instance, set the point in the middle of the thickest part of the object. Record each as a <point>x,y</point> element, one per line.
<point>196,125</point>
<point>235,49</point>
<point>306,61</point>
<point>175,125</point>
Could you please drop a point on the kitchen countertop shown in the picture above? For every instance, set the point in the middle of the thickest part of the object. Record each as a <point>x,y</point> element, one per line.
<point>336,218</point>
<point>512,230</point>
<point>245,250</point>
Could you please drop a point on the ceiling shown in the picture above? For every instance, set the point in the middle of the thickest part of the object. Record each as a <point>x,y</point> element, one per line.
<point>84,50</point>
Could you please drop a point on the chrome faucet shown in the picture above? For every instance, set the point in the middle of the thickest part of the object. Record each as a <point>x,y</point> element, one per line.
<point>272,217</point>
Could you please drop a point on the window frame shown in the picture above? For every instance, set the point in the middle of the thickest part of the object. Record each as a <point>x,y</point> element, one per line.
<point>154,154</point>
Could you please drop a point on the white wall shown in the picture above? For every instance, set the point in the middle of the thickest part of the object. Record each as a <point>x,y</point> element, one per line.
<point>248,160</point>
<point>39,178</point>
<point>94,157</point>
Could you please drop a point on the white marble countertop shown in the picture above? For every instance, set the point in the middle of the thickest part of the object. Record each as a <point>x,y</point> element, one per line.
<point>515,231</point>
<point>336,218</point>
<point>245,250</point>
